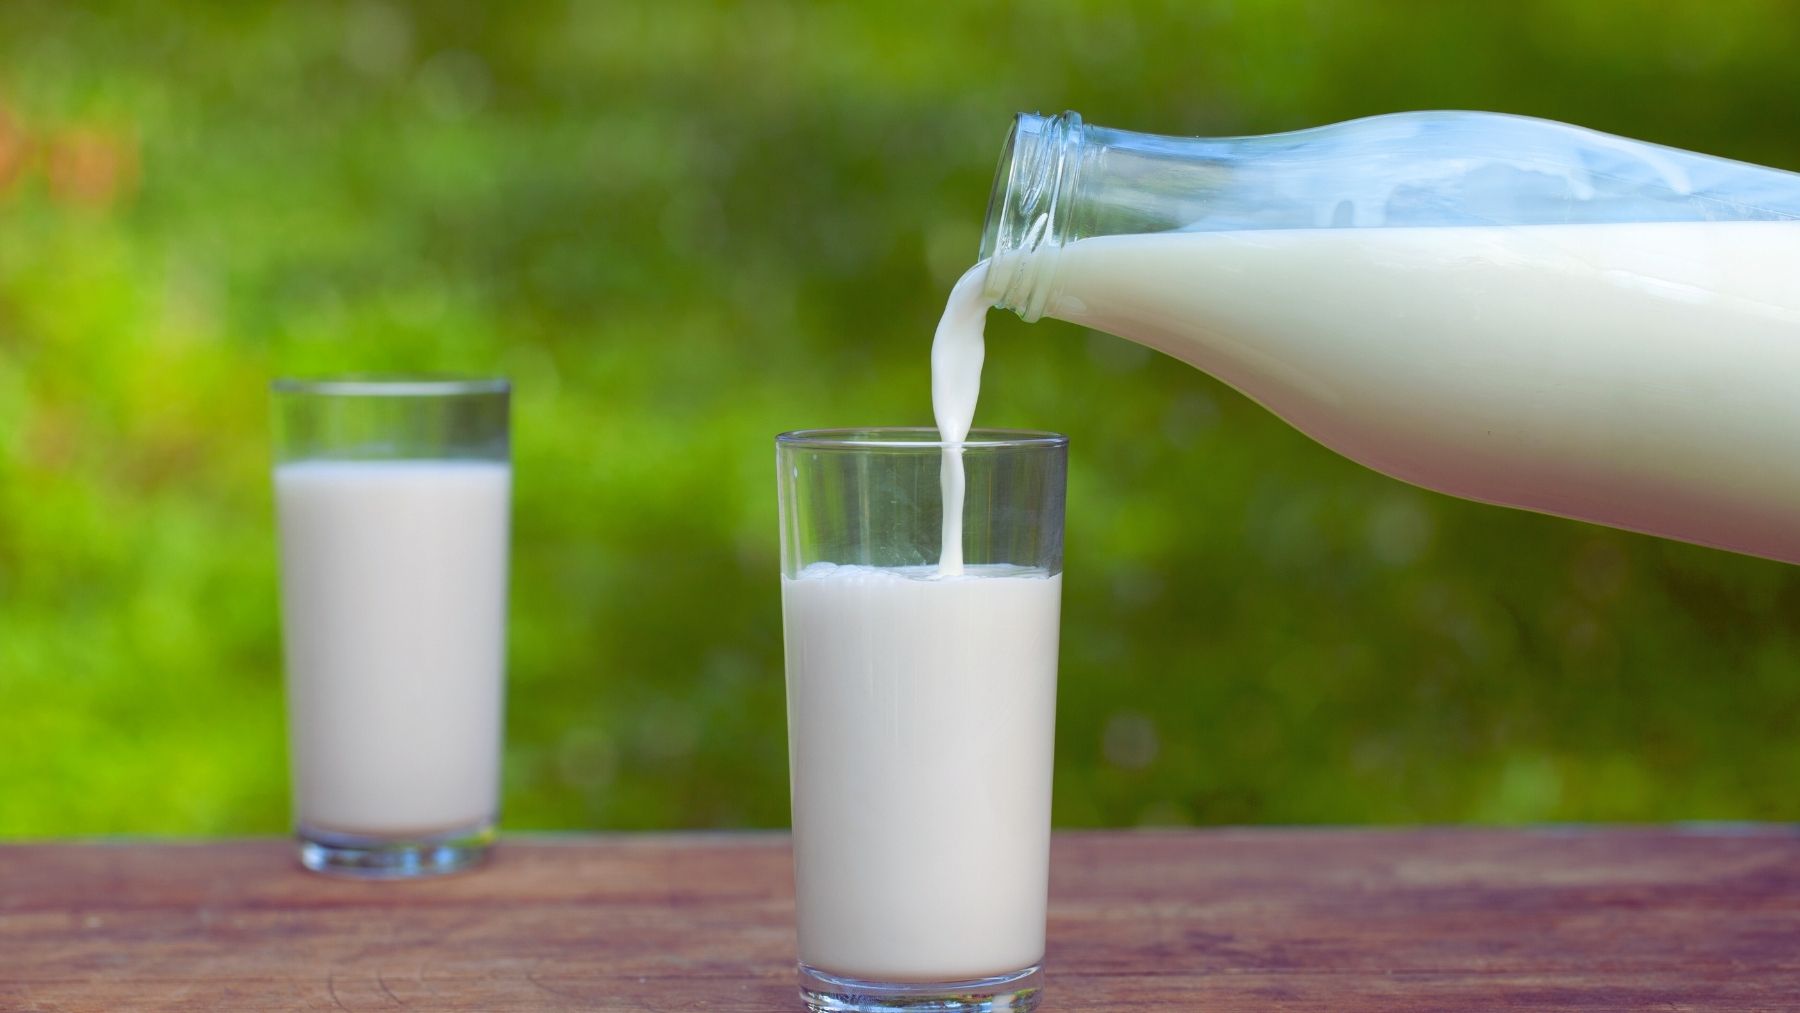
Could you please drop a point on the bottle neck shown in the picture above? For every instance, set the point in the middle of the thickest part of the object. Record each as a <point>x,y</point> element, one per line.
<point>1028,210</point>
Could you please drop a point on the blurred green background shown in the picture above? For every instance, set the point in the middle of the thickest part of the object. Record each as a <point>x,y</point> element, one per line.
<point>682,228</point>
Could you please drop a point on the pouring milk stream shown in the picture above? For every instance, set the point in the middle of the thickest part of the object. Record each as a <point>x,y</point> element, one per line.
<point>956,353</point>
<point>1504,309</point>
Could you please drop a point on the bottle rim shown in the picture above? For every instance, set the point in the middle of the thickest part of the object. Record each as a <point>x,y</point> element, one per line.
<point>1028,204</point>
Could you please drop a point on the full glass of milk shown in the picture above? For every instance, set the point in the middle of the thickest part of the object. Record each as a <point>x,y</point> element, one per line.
<point>921,712</point>
<point>392,497</point>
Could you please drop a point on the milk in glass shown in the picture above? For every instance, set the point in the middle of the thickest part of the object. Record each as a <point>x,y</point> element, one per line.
<point>921,718</point>
<point>393,590</point>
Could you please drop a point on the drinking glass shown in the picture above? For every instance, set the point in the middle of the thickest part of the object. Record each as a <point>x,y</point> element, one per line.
<point>393,497</point>
<point>921,715</point>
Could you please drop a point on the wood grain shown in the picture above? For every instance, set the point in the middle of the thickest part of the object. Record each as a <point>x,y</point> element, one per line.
<point>1190,920</point>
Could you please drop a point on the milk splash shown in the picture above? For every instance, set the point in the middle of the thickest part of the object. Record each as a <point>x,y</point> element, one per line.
<point>957,350</point>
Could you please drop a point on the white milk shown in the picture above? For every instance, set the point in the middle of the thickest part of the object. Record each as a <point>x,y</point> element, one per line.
<point>393,593</point>
<point>957,349</point>
<point>1645,376</point>
<point>921,715</point>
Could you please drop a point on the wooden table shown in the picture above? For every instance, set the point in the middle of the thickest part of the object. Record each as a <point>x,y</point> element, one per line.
<point>1578,918</point>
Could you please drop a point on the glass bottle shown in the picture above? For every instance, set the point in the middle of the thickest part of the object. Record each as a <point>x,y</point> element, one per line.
<point>1500,308</point>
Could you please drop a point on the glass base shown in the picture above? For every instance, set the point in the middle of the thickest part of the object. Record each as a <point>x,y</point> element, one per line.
<point>366,857</point>
<point>831,993</point>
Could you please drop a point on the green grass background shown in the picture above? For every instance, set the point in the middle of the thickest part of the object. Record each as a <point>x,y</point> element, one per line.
<point>684,227</point>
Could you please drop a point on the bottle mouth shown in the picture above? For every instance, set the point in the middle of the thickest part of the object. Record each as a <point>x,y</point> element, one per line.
<point>1027,204</point>
<point>1005,172</point>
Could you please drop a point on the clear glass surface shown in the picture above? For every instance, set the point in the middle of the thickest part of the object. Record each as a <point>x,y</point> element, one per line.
<point>921,715</point>
<point>393,498</point>
<point>1061,180</point>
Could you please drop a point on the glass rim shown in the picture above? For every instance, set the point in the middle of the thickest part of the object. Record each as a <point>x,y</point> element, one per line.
<point>391,385</point>
<point>918,438</point>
